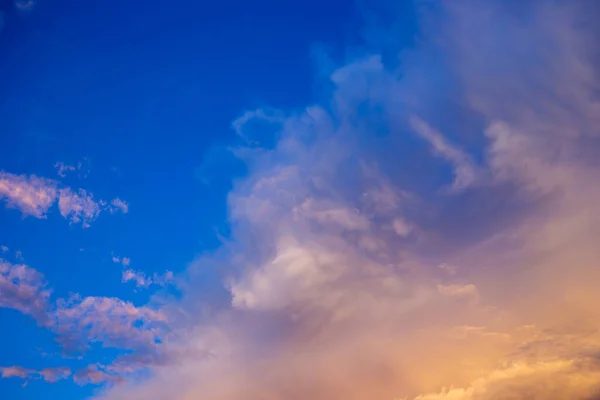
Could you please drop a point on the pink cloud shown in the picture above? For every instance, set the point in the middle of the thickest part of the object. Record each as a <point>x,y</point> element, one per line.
<point>23,288</point>
<point>79,207</point>
<point>140,279</point>
<point>15,372</point>
<point>50,375</point>
<point>110,321</point>
<point>32,195</point>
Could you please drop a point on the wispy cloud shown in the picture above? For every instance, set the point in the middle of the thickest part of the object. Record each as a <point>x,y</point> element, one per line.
<point>465,173</point>
<point>126,261</point>
<point>141,280</point>
<point>51,375</point>
<point>62,169</point>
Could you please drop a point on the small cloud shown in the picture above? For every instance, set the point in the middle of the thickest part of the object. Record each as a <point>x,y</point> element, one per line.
<point>449,269</point>
<point>15,372</point>
<point>468,291</point>
<point>62,169</point>
<point>119,205</point>
<point>79,207</point>
<point>125,261</point>
<point>138,277</point>
<point>52,375</point>
<point>141,280</point>
<point>402,228</point>
<point>31,195</point>
<point>465,173</point>
<point>4,249</point>
<point>24,289</point>
<point>94,374</point>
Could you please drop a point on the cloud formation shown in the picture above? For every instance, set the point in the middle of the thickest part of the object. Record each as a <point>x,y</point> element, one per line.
<point>34,196</point>
<point>353,274</point>
<point>80,323</point>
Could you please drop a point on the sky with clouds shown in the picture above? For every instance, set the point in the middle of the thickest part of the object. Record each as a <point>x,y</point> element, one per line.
<point>254,200</point>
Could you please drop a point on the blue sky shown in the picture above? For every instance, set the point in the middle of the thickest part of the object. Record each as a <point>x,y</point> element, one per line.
<point>208,199</point>
<point>137,95</point>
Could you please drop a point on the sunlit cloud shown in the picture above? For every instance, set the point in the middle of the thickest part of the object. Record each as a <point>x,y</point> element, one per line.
<point>452,255</point>
<point>355,273</point>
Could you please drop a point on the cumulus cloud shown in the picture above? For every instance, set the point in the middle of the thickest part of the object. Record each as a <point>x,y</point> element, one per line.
<point>356,282</point>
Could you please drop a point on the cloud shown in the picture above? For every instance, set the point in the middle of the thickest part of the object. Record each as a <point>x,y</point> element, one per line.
<point>24,289</point>
<point>119,205</point>
<point>55,374</point>
<point>93,374</point>
<point>112,322</point>
<point>34,196</point>
<point>62,169</point>
<point>465,173</point>
<point>141,280</point>
<point>121,260</point>
<point>340,277</point>
<point>81,322</point>
<point>79,207</point>
<point>338,234</point>
<point>18,372</point>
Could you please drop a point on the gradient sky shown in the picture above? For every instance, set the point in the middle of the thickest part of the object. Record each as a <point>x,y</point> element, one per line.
<point>266,201</point>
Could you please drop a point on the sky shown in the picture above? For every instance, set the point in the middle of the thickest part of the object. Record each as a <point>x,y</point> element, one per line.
<point>261,200</point>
